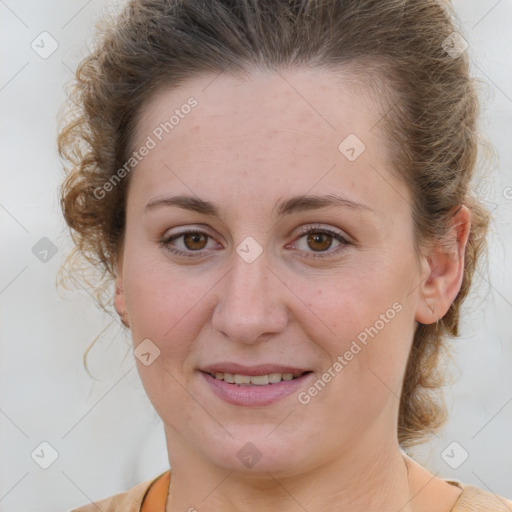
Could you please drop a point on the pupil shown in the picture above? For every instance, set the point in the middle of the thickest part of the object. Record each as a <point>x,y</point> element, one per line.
<point>322,238</point>
<point>192,238</point>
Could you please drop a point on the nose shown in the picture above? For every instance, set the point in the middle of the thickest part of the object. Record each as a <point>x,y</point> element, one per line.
<point>251,302</point>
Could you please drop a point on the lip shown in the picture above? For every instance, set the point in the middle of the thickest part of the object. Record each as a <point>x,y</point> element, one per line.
<point>251,395</point>
<point>260,369</point>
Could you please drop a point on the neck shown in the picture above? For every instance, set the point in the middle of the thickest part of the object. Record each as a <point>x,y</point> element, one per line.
<point>362,479</point>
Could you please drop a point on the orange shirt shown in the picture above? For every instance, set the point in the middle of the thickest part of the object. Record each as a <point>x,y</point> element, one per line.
<point>151,496</point>
<point>156,497</point>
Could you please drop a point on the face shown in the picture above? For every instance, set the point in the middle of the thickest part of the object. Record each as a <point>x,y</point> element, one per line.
<point>244,274</point>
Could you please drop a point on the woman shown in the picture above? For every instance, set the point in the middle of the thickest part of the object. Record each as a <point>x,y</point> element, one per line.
<point>280,192</point>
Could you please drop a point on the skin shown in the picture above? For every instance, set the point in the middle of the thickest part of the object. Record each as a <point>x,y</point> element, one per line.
<point>251,142</point>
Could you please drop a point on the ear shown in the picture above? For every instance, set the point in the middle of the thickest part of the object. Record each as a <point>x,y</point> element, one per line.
<point>119,298</point>
<point>444,266</point>
<point>119,301</point>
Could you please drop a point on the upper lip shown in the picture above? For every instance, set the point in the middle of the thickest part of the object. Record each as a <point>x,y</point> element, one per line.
<point>260,369</point>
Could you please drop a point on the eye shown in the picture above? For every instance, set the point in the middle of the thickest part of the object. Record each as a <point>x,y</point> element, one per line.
<point>319,240</point>
<point>192,242</point>
<point>313,241</point>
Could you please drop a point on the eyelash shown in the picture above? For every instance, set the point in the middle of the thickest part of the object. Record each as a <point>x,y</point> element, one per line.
<point>165,242</point>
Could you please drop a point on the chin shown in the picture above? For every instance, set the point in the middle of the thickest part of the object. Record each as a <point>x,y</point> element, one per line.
<point>258,450</point>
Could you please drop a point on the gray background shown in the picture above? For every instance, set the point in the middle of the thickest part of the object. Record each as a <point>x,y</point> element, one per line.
<point>104,430</point>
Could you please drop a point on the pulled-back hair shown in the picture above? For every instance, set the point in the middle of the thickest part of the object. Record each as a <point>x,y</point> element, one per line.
<point>398,46</point>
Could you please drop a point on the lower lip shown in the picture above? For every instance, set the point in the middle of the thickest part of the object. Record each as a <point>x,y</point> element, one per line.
<point>255,395</point>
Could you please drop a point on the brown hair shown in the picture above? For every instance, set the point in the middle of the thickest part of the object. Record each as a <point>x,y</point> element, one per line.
<point>430,122</point>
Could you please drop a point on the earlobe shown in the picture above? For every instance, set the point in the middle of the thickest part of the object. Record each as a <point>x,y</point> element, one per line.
<point>445,269</point>
<point>119,296</point>
<point>119,301</point>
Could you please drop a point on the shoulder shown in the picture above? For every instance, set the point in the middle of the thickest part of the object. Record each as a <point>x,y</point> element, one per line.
<point>127,501</point>
<point>474,499</point>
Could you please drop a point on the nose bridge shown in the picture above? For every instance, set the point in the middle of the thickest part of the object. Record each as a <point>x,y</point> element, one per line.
<point>250,280</point>
<point>249,304</point>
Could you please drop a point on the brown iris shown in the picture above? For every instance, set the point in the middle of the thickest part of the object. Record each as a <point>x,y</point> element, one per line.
<point>316,241</point>
<point>191,239</point>
<point>322,240</point>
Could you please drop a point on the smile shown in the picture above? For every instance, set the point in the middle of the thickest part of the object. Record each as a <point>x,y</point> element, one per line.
<point>255,390</point>
<point>255,380</point>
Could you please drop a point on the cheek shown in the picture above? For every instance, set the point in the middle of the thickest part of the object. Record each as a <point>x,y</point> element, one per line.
<point>346,301</point>
<point>164,302</point>
<point>363,315</point>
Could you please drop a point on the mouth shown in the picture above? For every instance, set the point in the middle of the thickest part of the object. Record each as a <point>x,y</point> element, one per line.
<point>239,379</point>
<point>256,388</point>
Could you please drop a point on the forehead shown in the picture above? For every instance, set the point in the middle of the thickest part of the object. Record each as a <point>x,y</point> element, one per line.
<point>266,129</point>
<point>315,102</point>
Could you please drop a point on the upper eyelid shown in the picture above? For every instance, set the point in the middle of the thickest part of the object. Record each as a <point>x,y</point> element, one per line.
<point>320,227</point>
<point>302,231</point>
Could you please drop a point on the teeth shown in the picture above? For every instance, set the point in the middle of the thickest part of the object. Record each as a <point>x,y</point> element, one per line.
<point>242,379</point>
<point>229,378</point>
<point>257,380</point>
<point>274,377</point>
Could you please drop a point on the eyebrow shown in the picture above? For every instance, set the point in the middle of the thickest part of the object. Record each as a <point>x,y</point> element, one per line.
<point>294,204</point>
